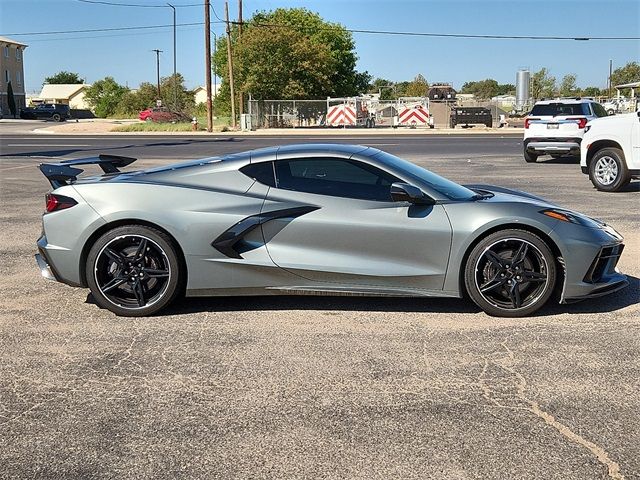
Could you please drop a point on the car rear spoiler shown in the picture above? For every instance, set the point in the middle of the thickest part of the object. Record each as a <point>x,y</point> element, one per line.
<point>63,173</point>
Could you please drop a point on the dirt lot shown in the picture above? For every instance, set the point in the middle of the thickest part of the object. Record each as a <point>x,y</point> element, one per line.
<point>309,387</point>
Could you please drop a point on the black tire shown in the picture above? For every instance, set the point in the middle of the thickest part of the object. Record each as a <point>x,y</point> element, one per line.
<point>134,271</point>
<point>608,170</point>
<point>56,117</point>
<point>510,273</point>
<point>530,157</point>
<point>611,111</point>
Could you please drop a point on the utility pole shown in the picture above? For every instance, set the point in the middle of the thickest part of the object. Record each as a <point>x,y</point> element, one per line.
<point>240,36</point>
<point>207,53</point>
<point>610,73</point>
<point>158,68</point>
<point>175,80</point>
<point>230,61</point>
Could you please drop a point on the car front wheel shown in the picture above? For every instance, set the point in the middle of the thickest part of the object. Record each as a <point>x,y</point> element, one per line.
<point>133,271</point>
<point>608,170</point>
<point>510,273</point>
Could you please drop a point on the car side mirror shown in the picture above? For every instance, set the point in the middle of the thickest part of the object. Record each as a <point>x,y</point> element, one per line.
<point>403,192</point>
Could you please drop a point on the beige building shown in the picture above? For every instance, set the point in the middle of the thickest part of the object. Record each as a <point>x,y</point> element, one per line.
<point>200,93</point>
<point>68,94</point>
<point>11,70</point>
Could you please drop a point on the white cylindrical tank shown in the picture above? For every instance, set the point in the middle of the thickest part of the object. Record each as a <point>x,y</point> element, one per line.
<point>523,78</point>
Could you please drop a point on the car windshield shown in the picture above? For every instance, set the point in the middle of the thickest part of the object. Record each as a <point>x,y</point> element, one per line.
<point>555,109</point>
<point>446,187</point>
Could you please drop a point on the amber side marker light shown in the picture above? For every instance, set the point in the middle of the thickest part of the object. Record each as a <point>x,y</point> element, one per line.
<point>556,215</point>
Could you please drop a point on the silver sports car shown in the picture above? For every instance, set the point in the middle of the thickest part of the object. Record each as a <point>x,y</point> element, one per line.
<point>314,219</point>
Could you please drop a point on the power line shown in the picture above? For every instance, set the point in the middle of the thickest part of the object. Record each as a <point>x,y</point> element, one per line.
<point>351,30</point>
<point>115,29</point>
<point>102,2</point>
<point>443,35</point>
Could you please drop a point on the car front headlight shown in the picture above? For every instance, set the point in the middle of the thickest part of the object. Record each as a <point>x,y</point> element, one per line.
<point>579,219</point>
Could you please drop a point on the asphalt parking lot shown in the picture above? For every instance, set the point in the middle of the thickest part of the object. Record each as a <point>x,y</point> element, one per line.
<point>312,387</point>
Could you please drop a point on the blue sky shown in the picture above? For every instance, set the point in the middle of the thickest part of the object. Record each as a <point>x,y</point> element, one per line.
<point>127,56</point>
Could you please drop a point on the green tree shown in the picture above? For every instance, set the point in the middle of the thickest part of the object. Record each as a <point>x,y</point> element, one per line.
<point>104,96</point>
<point>417,88</point>
<point>627,74</point>
<point>64,77</point>
<point>543,85</point>
<point>131,103</point>
<point>290,53</point>
<point>386,88</point>
<point>481,89</point>
<point>591,92</point>
<point>568,87</point>
<point>11,100</point>
<point>506,89</point>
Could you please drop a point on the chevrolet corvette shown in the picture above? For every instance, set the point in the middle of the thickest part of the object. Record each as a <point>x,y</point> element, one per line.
<point>314,219</point>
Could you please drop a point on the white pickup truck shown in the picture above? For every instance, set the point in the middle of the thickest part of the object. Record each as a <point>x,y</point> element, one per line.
<point>610,151</point>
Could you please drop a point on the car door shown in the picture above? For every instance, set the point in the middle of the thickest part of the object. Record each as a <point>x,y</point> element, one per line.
<point>348,231</point>
<point>635,143</point>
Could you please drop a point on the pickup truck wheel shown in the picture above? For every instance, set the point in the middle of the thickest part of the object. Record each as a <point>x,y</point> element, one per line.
<point>56,117</point>
<point>530,157</point>
<point>608,170</point>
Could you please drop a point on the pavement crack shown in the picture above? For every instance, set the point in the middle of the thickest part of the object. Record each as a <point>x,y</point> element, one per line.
<point>534,407</point>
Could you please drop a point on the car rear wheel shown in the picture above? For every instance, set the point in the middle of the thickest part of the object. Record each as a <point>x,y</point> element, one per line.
<point>133,271</point>
<point>510,273</point>
<point>608,170</point>
<point>56,117</point>
<point>530,157</point>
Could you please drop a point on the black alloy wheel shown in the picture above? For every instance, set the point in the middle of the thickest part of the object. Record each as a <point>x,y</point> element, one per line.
<point>133,271</point>
<point>510,273</point>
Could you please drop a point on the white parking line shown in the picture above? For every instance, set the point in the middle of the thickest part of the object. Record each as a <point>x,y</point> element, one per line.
<point>50,145</point>
<point>16,168</point>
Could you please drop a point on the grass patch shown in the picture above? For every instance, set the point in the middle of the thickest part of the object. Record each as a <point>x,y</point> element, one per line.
<point>164,127</point>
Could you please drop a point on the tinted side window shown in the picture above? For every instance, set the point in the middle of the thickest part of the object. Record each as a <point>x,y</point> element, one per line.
<point>335,177</point>
<point>262,172</point>
<point>599,110</point>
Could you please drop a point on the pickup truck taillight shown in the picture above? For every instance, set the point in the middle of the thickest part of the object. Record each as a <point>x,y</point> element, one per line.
<point>58,202</point>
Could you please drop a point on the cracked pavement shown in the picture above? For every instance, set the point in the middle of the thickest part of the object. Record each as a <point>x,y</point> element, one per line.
<point>312,387</point>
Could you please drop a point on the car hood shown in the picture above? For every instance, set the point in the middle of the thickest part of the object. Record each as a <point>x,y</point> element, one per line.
<point>507,194</point>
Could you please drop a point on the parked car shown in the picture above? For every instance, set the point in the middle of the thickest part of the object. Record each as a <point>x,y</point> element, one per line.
<point>162,115</point>
<point>314,219</point>
<point>55,111</point>
<point>610,152</point>
<point>617,105</point>
<point>556,127</point>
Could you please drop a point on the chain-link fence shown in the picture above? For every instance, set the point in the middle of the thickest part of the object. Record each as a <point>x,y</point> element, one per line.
<point>287,113</point>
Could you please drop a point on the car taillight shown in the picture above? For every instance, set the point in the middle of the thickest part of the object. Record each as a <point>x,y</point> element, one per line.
<point>582,122</point>
<point>58,202</point>
<point>527,121</point>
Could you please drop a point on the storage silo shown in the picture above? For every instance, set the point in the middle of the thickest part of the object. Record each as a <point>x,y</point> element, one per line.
<point>523,79</point>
